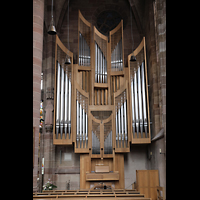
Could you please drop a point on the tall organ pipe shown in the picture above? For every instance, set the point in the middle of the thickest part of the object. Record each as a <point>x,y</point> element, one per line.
<point>140,102</point>
<point>144,100</point>
<point>119,122</point>
<point>77,122</point>
<point>62,102</point>
<point>133,109</point>
<point>98,69</point>
<point>125,122</point>
<point>122,121</point>
<point>116,129</point>
<point>83,125</point>
<point>136,105</point>
<point>103,67</point>
<point>69,110</point>
<point>79,48</point>
<point>66,104</point>
<point>58,102</point>
<point>86,128</point>
<point>80,126</point>
<point>95,62</point>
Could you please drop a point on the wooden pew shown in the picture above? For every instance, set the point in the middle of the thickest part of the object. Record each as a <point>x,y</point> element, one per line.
<point>114,194</point>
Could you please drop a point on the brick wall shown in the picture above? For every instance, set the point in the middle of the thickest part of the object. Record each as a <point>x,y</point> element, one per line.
<point>155,31</point>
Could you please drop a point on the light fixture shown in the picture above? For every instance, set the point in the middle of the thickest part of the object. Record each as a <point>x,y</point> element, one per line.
<point>67,58</point>
<point>133,58</point>
<point>52,28</point>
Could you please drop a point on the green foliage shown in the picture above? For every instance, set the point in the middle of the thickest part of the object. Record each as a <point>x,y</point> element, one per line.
<point>49,185</point>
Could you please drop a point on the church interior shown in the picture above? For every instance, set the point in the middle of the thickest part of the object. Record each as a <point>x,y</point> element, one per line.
<point>99,99</point>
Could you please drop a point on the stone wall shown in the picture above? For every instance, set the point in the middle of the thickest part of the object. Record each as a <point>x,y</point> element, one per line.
<point>38,18</point>
<point>153,27</point>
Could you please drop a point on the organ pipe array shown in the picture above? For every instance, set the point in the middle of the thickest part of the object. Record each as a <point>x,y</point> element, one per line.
<point>84,51</point>
<point>116,57</point>
<point>138,103</point>
<point>62,94</point>
<point>121,121</point>
<point>100,65</point>
<point>140,117</point>
<point>82,121</point>
<point>63,106</point>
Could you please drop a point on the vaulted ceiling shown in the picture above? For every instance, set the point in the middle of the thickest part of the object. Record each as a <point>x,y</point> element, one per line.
<point>60,9</point>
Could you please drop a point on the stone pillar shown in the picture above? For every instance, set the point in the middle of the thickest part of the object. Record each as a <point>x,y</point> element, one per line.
<point>38,21</point>
<point>47,148</point>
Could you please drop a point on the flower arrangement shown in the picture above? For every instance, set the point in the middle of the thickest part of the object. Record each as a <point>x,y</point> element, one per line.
<point>49,185</point>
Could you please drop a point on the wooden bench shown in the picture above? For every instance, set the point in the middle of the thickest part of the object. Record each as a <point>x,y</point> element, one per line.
<point>114,194</point>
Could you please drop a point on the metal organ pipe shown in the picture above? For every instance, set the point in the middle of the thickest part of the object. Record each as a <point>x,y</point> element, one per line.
<point>136,105</point>
<point>122,120</point>
<point>79,48</point>
<point>77,122</point>
<point>125,123</point>
<point>119,122</point>
<point>58,102</point>
<point>144,100</point>
<point>86,128</point>
<point>103,68</point>
<point>116,129</point>
<point>66,104</point>
<point>69,110</point>
<point>133,110</point>
<point>140,103</point>
<point>62,102</point>
<point>96,62</point>
<point>80,126</point>
<point>83,125</point>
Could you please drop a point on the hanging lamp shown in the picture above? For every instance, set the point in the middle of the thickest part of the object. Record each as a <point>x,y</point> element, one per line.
<point>133,58</point>
<point>67,59</point>
<point>52,28</point>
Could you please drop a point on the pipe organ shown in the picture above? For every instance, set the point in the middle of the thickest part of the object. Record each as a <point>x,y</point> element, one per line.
<point>99,104</point>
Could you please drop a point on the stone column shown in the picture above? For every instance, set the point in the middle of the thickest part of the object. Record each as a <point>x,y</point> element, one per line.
<point>38,21</point>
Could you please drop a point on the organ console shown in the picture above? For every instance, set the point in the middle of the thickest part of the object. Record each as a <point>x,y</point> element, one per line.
<point>100,105</point>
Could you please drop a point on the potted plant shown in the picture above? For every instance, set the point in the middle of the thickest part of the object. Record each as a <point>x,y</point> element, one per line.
<point>49,185</point>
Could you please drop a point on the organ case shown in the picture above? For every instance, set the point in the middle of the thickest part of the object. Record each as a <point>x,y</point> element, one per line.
<point>63,101</point>
<point>100,105</point>
<point>139,98</point>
